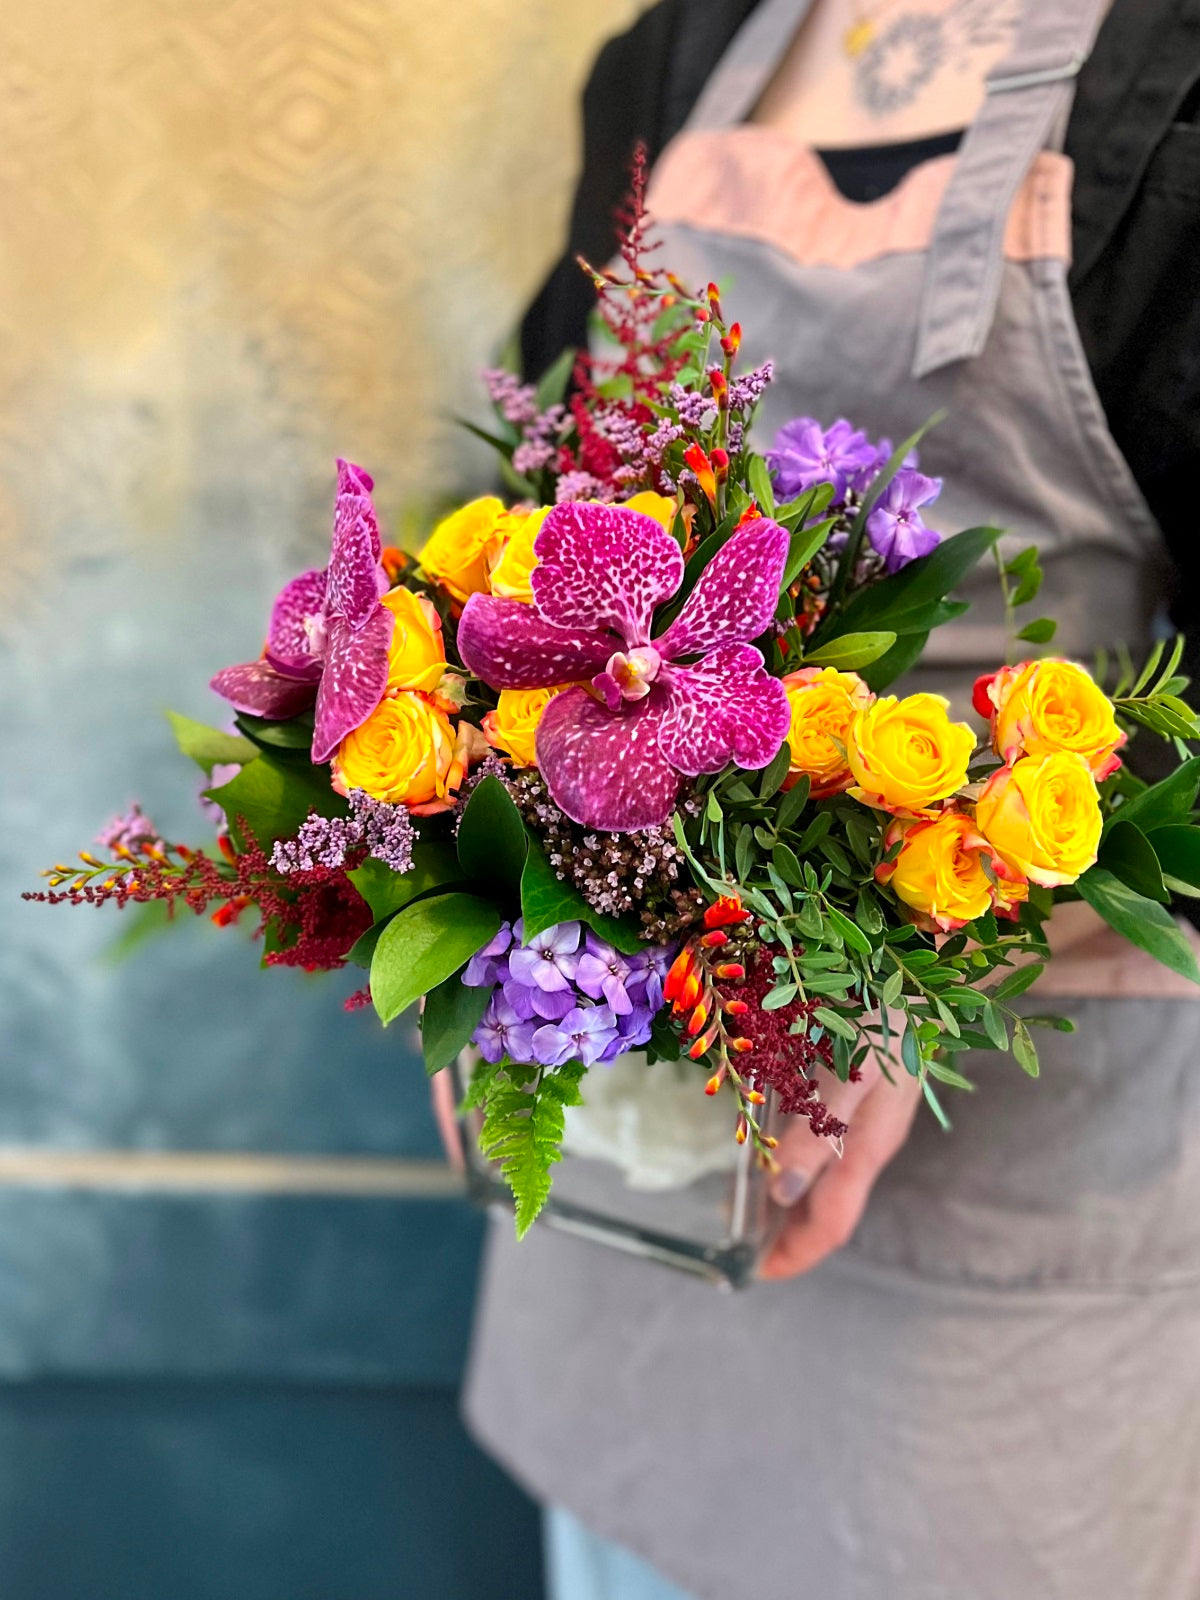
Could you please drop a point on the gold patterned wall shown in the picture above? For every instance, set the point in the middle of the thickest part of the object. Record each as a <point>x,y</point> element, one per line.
<point>307,220</point>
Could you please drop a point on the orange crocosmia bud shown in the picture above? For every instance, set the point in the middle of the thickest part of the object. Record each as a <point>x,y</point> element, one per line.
<point>728,909</point>
<point>742,1046</point>
<point>700,464</point>
<point>735,1008</point>
<point>715,939</point>
<point>682,968</point>
<point>714,1083</point>
<point>731,969</point>
<point>720,461</point>
<point>697,1019</point>
<point>703,1044</point>
<point>732,340</point>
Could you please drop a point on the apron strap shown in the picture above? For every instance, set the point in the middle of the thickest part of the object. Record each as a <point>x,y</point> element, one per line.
<point>746,68</point>
<point>1028,101</point>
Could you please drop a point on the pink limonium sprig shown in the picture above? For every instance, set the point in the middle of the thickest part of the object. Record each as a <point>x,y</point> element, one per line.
<point>329,633</point>
<point>657,709</point>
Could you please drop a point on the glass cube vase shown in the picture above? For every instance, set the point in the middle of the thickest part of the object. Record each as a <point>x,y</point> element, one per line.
<point>649,1166</point>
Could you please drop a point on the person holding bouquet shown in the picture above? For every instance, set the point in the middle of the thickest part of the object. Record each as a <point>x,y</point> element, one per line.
<point>973,1369</point>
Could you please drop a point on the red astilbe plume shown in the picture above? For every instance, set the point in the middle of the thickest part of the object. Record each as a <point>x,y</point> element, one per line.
<point>313,917</point>
<point>777,1058</point>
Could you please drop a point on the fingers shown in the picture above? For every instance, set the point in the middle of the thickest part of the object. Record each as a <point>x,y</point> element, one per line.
<point>802,1156</point>
<point>441,1090</point>
<point>833,1208</point>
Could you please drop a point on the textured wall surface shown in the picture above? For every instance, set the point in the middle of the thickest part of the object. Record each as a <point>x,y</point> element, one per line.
<point>240,237</point>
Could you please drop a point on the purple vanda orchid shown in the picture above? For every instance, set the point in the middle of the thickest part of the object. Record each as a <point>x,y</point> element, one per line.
<point>689,701</point>
<point>329,634</point>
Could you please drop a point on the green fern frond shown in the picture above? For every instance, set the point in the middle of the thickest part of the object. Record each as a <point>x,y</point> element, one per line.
<point>522,1132</point>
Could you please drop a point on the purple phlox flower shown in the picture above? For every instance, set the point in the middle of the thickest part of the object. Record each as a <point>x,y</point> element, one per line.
<point>551,1005</point>
<point>329,633</point>
<point>130,831</point>
<point>649,971</point>
<point>584,1034</point>
<point>521,998</point>
<point>385,831</point>
<point>549,959</point>
<point>805,454</point>
<point>895,527</point>
<point>688,701</point>
<point>502,1032</point>
<point>883,454</point>
<point>602,973</point>
<point>489,966</point>
<point>633,1031</point>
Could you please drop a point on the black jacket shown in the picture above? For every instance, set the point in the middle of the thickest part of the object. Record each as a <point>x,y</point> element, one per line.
<point>1135,141</point>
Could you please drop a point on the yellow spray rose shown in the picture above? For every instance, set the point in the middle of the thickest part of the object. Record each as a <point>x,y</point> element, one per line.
<point>404,752</point>
<point>939,871</point>
<point>416,657</point>
<point>659,506</point>
<point>906,754</point>
<point>460,549</point>
<point>1042,814</point>
<point>513,725</point>
<point>1042,706</point>
<point>515,561</point>
<point>823,702</point>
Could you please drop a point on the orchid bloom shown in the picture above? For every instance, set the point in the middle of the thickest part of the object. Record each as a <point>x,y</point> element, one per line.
<point>687,702</point>
<point>329,634</point>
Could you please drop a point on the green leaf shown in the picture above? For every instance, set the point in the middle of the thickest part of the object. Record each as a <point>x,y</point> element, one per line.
<point>435,866</point>
<point>815,832</point>
<point>452,1013</point>
<point>945,1074</point>
<point>793,803</point>
<point>994,1027</point>
<point>1143,922</point>
<point>1024,1050</point>
<point>851,933</point>
<point>778,997</point>
<point>1164,803</point>
<point>835,1023</point>
<point>900,602</point>
<point>492,842</point>
<point>424,944</point>
<point>1017,982</point>
<point>275,796</point>
<point>362,952</point>
<point>761,486</point>
<point>296,733</point>
<point>1040,631</point>
<point>522,1131</point>
<point>744,853</point>
<point>1127,853</point>
<point>774,775</point>
<point>805,543</point>
<point>904,654</point>
<point>1177,848</point>
<point>552,384</point>
<point>209,747</point>
<point>546,901</point>
<point>851,650</point>
<point>892,990</point>
<point>785,863</point>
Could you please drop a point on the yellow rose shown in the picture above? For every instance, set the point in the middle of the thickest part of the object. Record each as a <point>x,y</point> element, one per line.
<point>416,657</point>
<point>404,752</point>
<point>823,702</point>
<point>458,552</point>
<point>515,560</point>
<point>906,754</point>
<point>513,725</point>
<point>1042,815</point>
<point>939,871</point>
<point>1044,706</point>
<point>659,506</point>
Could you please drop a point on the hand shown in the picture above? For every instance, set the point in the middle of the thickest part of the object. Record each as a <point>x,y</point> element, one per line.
<point>827,1195</point>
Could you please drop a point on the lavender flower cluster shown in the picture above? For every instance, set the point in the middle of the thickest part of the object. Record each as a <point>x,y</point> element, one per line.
<point>806,454</point>
<point>385,830</point>
<point>517,403</point>
<point>567,995</point>
<point>129,832</point>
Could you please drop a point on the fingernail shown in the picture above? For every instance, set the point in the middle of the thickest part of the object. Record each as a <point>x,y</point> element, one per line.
<point>789,1186</point>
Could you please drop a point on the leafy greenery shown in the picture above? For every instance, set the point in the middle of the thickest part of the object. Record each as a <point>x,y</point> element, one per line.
<point>492,843</point>
<point>426,943</point>
<point>435,866</point>
<point>275,796</point>
<point>1143,922</point>
<point>523,1128</point>
<point>452,1013</point>
<point>209,747</point>
<point>546,901</point>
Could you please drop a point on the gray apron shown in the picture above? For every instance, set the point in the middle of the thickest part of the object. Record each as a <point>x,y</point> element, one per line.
<point>994,1390</point>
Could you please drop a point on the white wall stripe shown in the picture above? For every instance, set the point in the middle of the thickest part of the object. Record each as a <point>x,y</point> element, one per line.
<point>225,1172</point>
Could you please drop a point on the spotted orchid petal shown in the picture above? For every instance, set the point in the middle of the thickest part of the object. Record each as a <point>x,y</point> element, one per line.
<point>354,679</point>
<point>604,567</point>
<point>726,708</point>
<point>736,596</point>
<point>509,646</point>
<point>605,769</point>
<point>355,579</point>
<point>258,689</point>
<point>297,626</point>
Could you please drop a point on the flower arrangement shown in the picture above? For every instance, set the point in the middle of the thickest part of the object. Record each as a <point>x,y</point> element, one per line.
<point>611,765</point>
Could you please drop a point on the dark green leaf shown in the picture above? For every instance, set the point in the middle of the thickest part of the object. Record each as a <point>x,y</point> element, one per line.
<point>424,944</point>
<point>1128,854</point>
<point>209,747</point>
<point>903,655</point>
<point>1017,982</point>
<point>296,733</point>
<point>362,952</point>
<point>805,543</point>
<point>1165,803</point>
<point>546,901</point>
<point>552,385</point>
<point>452,1013</point>
<point>760,485</point>
<point>776,772</point>
<point>815,832</point>
<point>850,932</point>
<point>1143,922</point>
<point>491,839</point>
<point>275,796</point>
<point>785,863</point>
<point>898,602</point>
<point>1039,632</point>
<point>849,651</point>
<point>793,803</point>
<point>435,866</point>
<point>1178,850</point>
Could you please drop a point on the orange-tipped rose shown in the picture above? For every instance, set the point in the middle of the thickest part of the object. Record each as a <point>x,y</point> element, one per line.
<point>1042,815</point>
<point>907,754</point>
<point>461,548</point>
<point>416,657</point>
<point>823,703</point>
<point>939,872</point>
<point>405,752</point>
<point>512,727</point>
<point>1039,707</point>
